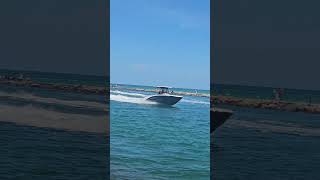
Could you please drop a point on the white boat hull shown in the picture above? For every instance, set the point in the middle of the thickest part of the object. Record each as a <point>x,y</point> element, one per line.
<point>166,99</point>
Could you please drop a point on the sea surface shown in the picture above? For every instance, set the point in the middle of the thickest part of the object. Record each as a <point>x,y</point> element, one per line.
<point>266,144</point>
<point>149,141</point>
<point>293,95</point>
<point>48,134</point>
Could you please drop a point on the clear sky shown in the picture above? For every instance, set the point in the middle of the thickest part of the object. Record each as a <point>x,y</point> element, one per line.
<point>267,43</point>
<point>53,36</point>
<point>160,42</point>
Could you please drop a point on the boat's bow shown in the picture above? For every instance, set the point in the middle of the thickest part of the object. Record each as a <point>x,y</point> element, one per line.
<point>166,99</point>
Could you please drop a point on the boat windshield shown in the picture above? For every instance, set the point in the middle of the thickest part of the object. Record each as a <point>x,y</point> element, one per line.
<point>163,90</point>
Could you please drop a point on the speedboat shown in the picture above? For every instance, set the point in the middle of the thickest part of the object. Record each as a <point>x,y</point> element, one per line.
<point>164,96</point>
<point>218,117</point>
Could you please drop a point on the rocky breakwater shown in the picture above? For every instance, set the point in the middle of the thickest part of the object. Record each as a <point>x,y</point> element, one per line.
<point>267,104</point>
<point>53,86</point>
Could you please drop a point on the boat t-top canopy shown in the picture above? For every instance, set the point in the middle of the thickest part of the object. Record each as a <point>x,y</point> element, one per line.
<point>163,87</point>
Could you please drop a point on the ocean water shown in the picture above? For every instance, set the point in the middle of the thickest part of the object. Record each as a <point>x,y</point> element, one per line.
<point>295,95</point>
<point>266,144</point>
<point>59,78</point>
<point>47,134</point>
<point>149,141</point>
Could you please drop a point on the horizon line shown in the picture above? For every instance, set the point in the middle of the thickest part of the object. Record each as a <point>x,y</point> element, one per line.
<point>156,85</point>
<point>262,86</point>
<point>68,73</point>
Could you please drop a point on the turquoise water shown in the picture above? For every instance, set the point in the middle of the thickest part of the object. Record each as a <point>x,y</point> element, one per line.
<point>46,77</point>
<point>29,153</point>
<point>40,138</point>
<point>201,91</point>
<point>47,134</point>
<point>155,142</point>
<point>294,95</point>
<point>266,144</point>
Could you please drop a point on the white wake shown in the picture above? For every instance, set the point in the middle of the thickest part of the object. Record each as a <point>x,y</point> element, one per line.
<point>127,93</point>
<point>195,101</point>
<point>128,99</point>
<point>137,98</point>
<point>73,103</point>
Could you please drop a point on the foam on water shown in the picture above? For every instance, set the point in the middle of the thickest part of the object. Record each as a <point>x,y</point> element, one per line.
<point>127,93</point>
<point>269,126</point>
<point>39,117</point>
<point>46,116</point>
<point>195,101</point>
<point>128,99</point>
<point>176,135</point>
<point>137,98</point>
<point>73,103</point>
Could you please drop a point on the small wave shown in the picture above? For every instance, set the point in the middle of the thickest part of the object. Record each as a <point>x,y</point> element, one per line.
<point>183,93</point>
<point>71,103</point>
<point>264,126</point>
<point>43,118</point>
<point>127,99</point>
<point>195,101</point>
<point>139,98</point>
<point>127,93</point>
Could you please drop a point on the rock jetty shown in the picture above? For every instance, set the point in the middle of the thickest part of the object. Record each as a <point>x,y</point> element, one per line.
<point>266,104</point>
<point>26,82</point>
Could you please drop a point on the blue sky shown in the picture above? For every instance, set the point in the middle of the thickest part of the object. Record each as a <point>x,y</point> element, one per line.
<point>160,42</point>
